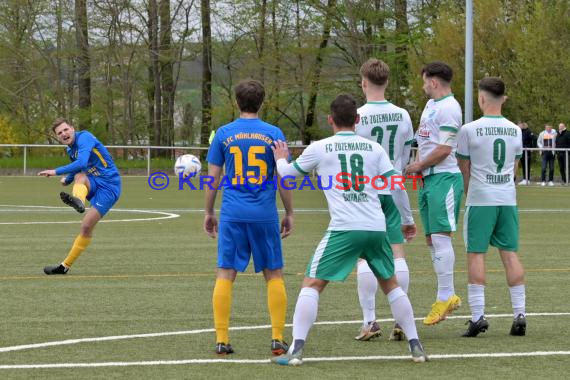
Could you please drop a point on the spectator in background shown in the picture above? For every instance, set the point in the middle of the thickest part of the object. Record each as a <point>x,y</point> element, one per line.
<point>562,142</point>
<point>547,142</point>
<point>528,141</point>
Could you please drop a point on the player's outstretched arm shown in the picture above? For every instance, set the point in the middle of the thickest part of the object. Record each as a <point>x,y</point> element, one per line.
<point>281,154</point>
<point>280,150</point>
<point>80,164</point>
<point>210,221</point>
<point>307,161</point>
<point>47,173</point>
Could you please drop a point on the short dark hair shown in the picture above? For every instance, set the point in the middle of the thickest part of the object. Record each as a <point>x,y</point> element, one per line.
<point>439,70</point>
<point>344,111</point>
<point>376,71</point>
<point>493,85</point>
<point>249,95</point>
<point>57,122</point>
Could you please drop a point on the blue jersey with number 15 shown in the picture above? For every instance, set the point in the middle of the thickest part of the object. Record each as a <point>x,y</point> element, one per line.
<point>244,147</point>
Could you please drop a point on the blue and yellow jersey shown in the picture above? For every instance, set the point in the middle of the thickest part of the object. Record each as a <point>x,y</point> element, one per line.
<point>89,156</point>
<point>244,147</point>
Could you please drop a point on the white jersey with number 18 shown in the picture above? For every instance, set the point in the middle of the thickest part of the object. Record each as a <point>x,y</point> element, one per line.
<point>351,208</point>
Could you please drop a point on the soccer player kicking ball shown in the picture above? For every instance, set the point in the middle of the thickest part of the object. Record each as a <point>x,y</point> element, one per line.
<point>357,228</point>
<point>95,178</point>
<point>391,127</point>
<point>488,150</point>
<point>249,222</point>
<point>439,199</point>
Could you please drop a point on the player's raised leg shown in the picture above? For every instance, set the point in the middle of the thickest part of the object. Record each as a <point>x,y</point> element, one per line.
<point>79,193</point>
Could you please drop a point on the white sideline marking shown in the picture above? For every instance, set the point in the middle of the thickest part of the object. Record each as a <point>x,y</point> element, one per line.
<point>326,210</point>
<point>239,328</point>
<point>267,361</point>
<point>301,210</point>
<point>164,215</point>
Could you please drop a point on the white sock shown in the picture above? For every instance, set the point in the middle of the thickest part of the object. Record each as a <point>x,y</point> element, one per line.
<point>518,299</point>
<point>443,259</point>
<point>305,313</point>
<point>403,312</point>
<point>367,287</point>
<point>402,273</point>
<point>476,296</point>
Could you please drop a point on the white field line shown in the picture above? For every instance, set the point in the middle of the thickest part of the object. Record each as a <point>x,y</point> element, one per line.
<point>326,210</point>
<point>239,328</point>
<point>267,361</point>
<point>163,215</point>
<point>200,210</point>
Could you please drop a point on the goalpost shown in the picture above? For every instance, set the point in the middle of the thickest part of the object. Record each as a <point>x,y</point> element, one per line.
<point>468,61</point>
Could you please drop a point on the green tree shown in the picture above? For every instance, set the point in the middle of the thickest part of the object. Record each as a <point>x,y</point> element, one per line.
<point>83,64</point>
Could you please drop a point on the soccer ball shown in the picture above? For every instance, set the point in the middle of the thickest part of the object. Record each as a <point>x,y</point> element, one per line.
<point>187,164</point>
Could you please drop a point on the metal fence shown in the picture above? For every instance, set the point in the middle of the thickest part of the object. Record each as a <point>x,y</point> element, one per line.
<point>143,160</point>
<point>557,152</point>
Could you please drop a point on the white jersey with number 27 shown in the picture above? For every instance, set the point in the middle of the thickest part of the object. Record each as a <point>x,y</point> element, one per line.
<point>391,127</point>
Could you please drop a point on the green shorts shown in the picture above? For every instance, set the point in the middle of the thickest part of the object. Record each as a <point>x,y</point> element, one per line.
<point>439,202</point>
<point>339,251</point>
<point>495,225</point>
<point>393,219</point>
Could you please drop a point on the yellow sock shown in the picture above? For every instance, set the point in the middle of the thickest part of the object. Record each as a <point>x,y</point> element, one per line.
<point>277,305</point>
<point>222,303</point>
<point>80,191</point>
<point>79,245</point>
